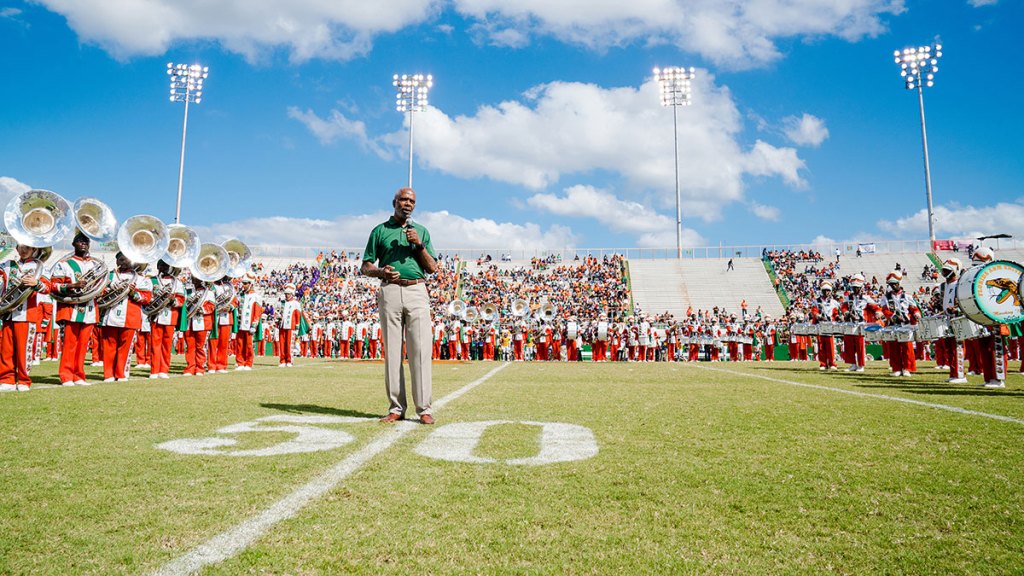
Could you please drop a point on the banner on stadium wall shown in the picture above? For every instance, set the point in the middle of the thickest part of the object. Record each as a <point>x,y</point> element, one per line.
<point>866,248</point>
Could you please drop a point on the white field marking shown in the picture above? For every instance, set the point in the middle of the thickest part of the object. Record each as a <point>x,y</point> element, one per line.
<point>308,438</point>
<point>559,443</point>
<point>173,376</point>
<point>229,543</point>
<point>956,409</point>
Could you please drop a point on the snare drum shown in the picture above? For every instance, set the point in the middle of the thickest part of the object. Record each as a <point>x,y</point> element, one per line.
<point>904,333</point>
<point>602,331</point>
<point>805,330</point>
<point>887,335</point>
<point>933,328</point>
<point>829,329</point>
<point>990,294</point>
<point>966,329</point>
<point>851,328</point>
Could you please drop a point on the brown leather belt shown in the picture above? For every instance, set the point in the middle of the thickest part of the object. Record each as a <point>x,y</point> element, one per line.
<point>404,282</point>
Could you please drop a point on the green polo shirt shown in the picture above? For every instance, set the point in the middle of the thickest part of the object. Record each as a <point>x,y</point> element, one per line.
<point>387,245</point>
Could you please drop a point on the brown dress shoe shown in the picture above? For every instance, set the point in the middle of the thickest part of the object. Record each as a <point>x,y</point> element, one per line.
<point>392,417</point>
<point>426,419</point>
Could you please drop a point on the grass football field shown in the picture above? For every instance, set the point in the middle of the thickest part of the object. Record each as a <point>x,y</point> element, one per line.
<point>545,468</point>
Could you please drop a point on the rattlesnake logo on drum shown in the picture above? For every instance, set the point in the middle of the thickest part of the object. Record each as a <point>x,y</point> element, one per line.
<point>1008,288</point>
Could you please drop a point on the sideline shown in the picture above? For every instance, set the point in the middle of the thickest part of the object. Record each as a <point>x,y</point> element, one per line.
<point>227,544</point>
<point>257,368</point>
<point>945,407</point>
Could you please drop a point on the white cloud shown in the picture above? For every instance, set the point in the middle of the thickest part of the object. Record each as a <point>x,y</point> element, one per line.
<point>9,188</point>
<point>735,33</point>
<point>765,212</point>
<point>651,228</point>
<point>334,29</point>
<point>806,130</point>
<point>8,12</point>
<point>448,232</point>
<point>337,126</point>
<point>956,221</point>
<point>980,3</point>
<point>567,128</point>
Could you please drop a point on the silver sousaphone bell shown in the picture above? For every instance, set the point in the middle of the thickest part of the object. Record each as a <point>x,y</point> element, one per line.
<point>183,246</point>
<point>95,219</point>
<point>211,264</point>
<point>38,218</point>
<point>239,257</point>
<point>143,239</point>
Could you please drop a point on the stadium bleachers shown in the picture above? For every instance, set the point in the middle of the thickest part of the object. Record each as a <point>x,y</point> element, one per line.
<point>671,285</point>
<point>879,266</point>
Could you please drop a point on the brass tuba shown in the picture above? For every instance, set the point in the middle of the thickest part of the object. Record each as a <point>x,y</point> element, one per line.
<point>457,308</point>
<point>547,312</point>
<point>520,308</point>
<point>96,220</point>
<point>210,265</point>
<point>489,312</point>
<point>40,219</point>
<point>183,246</point>
<point>239,257</point>
<point>471,315</point>
<point>143,240</point>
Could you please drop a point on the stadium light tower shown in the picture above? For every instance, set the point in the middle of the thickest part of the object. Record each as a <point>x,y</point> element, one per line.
<point>186,86</point>
<point>675,92</point>
<point>411,96</point>
<point>918,67</point>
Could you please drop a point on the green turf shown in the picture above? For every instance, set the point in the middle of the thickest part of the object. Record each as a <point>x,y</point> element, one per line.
<point>700,470</point>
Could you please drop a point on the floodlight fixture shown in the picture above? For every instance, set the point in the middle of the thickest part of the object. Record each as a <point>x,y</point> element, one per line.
<point>918,67</point>
<point>186,86</point>
<point>675,85</point>
<point>411,91</point>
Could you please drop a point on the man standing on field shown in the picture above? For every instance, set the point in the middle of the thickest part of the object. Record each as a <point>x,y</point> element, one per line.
<point>400,254</point>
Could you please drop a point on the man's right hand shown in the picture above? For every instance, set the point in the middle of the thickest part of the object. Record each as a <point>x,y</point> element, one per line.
<point>390,274</point>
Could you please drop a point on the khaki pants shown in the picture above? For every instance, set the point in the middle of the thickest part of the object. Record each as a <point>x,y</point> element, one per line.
<point>405,311</point>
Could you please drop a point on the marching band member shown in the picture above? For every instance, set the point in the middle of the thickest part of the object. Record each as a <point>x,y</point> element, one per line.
<point>224,321</point>
<point>556,342</point>
<point>952,351</point>
<point>122,320</point>
<point>291,319</point>
<point>519,340</point>
<point>163,323</point>
<point>770,336</point>
<point>250,313</point>
<point>78,320</point>
<point>733,330</point>
<point>826,309</point>
<point>900,309</point>
<point>348,330</point>
<point>198,328</point>
<point>993,365</point>
<point>438,340</point>
<point>454,339</point>
<point>17,335</point>
<point>490,341</point>
<point>375,336</point>
<point>859,308</point>
<point>362,330</point>
<point>44,329</point>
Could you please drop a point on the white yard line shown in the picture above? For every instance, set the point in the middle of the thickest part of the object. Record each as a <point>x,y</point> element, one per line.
<point>945,407</point>
<point>227,544</point>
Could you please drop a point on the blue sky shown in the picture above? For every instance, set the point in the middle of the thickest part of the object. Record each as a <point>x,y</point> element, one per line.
<point>544,130</point>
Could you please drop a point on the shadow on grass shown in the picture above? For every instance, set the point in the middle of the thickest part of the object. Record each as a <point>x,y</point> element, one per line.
<point>314,409</point>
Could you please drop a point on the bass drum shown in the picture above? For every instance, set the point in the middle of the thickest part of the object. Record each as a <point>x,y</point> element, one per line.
<point>602,331</point>
<point>572,330</point>
<point>990,294</point>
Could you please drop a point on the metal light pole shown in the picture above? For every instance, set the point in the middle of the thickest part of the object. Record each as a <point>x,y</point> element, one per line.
<point>186,86</point>
<point>675,92</point>
<point>918,67</point>
<point>411,96</point>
